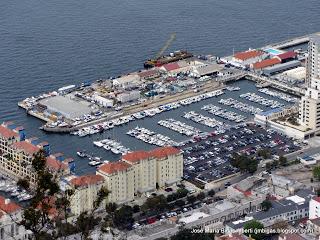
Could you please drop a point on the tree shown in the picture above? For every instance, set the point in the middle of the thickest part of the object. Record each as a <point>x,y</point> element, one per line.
<point>180,203</point>
<point>191,199</point>
<point>46,216</point>
<point>265,153</point>
<point>266,205</point>
<point>316,172</point>
<point>244,163</point>
<point>136,208</point>
<point>253,228</point>
<point>283,161</point>
<point>211,193</point>
<point>201,196</point>
<point>123,217</point>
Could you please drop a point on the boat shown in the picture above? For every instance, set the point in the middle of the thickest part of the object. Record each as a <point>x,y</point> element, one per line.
<point>81,154</point>
<point>173,57</point>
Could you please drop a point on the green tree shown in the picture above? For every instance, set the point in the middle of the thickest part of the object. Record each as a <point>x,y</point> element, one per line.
<point>283,161</point>
<point>201,196</point>
<point>191,199</point>
<point>123,217</point>
<point>211,193</point>
<point>316,172</point>
<point>253,228</point>
<point>266,205</point>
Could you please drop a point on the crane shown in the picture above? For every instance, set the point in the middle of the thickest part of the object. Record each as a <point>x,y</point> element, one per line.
<point>165,47</point>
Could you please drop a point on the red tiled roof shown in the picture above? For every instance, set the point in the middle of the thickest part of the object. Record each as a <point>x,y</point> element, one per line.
<point>317,199</point>
<point>266,63</point>
<point>171,66</point>
<point>56,164</point>
<point>86,180</point>
<point>247,55</point>
<point>113,167</point>
<point>136,156</point>
<point>287,55</point>
<point>7,133</point>
<point>10,207</point>
<point>164,152</point>
<point>147,73</point>
<point>26,147</point>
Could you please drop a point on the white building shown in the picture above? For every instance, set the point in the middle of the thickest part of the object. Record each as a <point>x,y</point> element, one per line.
<point>314,208</point>
<point>313,62</point>
<point>10,214</point>
<point>105,102</point>
<point>127,81</point>
<point>309,114</point>
<point>128,96</point>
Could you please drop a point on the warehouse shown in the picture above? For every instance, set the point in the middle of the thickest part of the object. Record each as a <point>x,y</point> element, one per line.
<point>281,67</point>
<point>66,106</point>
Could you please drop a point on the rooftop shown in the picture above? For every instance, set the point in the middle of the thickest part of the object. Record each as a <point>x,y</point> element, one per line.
<point>164,152</point>
<point>266,63</point>
<point>86,180</point>
<point>113,167</point>
<point>55,164</point>
<point>287,55</point>
<point>248,54</point>
<point>7,133</point>
<point>26,147</point>
<point>8,207</point>
<point>136,156</point>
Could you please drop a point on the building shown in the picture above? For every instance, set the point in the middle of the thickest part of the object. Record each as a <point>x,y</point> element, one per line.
<point>290,209</point>
<point>103,101</point>
<point>248,57</point>
<point>142,172</point>
<point>207,70</point>
<point>17,154</point>
<point>265,63</point>
<point>149,74</point>
<point>10,214</point>
<point>283,187</point>
<point>309,112</point>
<point>281,67</point>
<point>314,208</point>
<point>287,56</point>
<point>119,180</point>
<point>85,189</point>
<point>145,170</point>
<point>127,81</point>
<point>313,63</point>
<point>128,96</point>
<point>169,165</point>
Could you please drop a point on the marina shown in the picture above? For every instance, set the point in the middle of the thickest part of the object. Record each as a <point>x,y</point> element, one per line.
<point>179,127</point>
<point>243,107</point>
<point>201,119</point>
<point>253,97</point>
<point>229,115</point>
<point>151,137</point>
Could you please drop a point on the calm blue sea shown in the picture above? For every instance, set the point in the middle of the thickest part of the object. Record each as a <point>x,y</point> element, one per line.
<point>48,44</point>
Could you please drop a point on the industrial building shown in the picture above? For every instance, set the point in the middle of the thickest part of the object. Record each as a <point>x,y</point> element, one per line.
<point>281,67</point>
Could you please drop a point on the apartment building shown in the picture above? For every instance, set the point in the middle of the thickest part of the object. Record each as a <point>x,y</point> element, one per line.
<point>145,170</point>
<point>85,189</point>
<point>141,172</point>
<point>309,114</point>
<point>119,180</point>
<point>16,154</point>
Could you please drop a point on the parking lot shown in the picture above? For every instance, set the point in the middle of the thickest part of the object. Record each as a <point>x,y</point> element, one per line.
<point>208,158</point>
